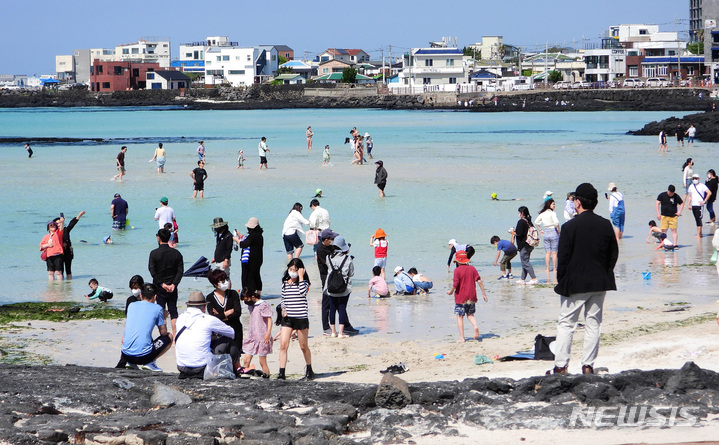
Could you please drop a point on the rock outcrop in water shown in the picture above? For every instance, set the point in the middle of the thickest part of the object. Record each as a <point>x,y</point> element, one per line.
<point>707,126</point>
<point>53,404</point>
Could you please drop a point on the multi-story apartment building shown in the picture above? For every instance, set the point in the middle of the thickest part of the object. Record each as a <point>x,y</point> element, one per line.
<point>433,68</point>
<point>145,50</point>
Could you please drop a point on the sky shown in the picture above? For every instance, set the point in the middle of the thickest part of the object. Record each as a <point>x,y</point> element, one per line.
<point>33,33</point>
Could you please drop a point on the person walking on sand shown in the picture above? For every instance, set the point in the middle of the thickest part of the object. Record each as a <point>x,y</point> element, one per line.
<point>698,196</point>
<point>465,293</point>
<point>663,142</point>
<point>262,148</point>
<point>680,135</point>
<point>548,225</point>
<point>29,150</point>
<point>326,155</point>
<point>691,134</point>
<point>120,160</point>
<point>198,176</point>
<point>667,212</point>
<point>380,178</point>
<point>687,173</point>
<point>159,158</point>
<point>519,234</point>
<point>241,159</point>
<point>712,184</point>
<point>309,135</point>
<point>588,252</point>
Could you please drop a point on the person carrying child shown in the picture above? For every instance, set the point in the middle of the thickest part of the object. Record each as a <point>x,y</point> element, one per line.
<point>465,293</point>
<point>98,291</point>
<point>509,251</point>
<point>377,284</point>
<point>380,244</point>
<point>259,336</point>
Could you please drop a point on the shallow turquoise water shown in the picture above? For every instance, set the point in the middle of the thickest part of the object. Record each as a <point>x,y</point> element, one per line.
<point>442,168</point>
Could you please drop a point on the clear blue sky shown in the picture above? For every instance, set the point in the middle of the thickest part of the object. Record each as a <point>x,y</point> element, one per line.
<point>34,32</point>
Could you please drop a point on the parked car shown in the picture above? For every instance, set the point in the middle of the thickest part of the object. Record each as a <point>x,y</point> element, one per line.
<point>656,82</point>
<point>562,85</point>
<point>580,84</point>
<point>633,83</point>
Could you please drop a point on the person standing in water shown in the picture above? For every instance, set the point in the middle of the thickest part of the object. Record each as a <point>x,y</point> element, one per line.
<point>120,164</point>
<point>262,147</point>
<point>29,150</point>
<point>380,178</point>
<point>309,134</point>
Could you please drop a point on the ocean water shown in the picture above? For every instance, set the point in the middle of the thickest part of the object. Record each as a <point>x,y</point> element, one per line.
<point>442,166</point>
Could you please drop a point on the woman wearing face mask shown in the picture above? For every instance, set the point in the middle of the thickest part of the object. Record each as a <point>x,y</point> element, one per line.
<point>698,196</point>
<point>136,283</point>
<point>519,234</point>
<point>225,304</point>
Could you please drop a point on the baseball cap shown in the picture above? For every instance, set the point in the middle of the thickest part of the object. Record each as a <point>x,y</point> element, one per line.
<point>163,200</point>
<point>328,234</point>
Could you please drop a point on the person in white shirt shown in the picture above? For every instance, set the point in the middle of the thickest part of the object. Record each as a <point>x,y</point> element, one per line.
<point>548,224</point>
<point>194,339</point>
<point>319,220</point>
<point>698,195</point>
<point>262,148</point>
<point>291,230</point>
<point>164,214</point>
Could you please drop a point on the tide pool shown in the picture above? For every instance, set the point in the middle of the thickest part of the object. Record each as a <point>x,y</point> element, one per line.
<point>442,168</point>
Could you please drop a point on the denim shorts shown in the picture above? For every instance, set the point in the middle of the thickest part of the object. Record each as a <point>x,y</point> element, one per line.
<point>464,309</point>
<point>292,242</point>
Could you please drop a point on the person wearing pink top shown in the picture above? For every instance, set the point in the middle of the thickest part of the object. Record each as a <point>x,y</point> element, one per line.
<point>377,284</point>
<point>51,246</point>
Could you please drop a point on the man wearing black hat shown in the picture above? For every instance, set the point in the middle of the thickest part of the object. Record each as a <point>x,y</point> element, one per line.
<point>223,248</point>
<point>587,254</point>
<point>166,267</point>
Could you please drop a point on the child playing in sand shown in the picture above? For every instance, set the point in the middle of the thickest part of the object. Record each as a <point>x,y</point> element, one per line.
<point>98,291</point>
<point>259,337</point>
<point>377,284</point>
<point>379,242</point>
<point>241,159</point>
<point>654,232</point>
<point>326,155</point>
<point>509,251</point>
<point>465,293</point>
<point>665,244</point>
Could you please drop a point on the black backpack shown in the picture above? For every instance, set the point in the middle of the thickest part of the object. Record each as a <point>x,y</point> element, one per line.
<point>336,283</point>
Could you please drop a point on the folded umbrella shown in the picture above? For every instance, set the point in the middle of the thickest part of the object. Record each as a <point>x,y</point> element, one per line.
<point>200,269</point>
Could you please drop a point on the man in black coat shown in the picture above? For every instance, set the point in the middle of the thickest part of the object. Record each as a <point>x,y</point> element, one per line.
<point>166,267</point>
<point>587,254</point>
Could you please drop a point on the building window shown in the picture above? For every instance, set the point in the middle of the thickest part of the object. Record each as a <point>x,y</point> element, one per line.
<point>135,50</point>
<point>106,85</point>
<point>92,70</point>
<point>449,62</point>
<point>426,81</point>
<point>238,72</point>
<point>150,76</point>
<point>661,70</point>
<point>226,58</point>
<point>428,62</point>
<point>690,70</point>
<point>219,58</point>
<point>209,62</point>
<point>188,55</point>
<point>249,58</point>
<point>126,50</point>
<point>643,32</point>
<point>633,71</point>
<point>136,72</point>
<point>118,70</point>
<point>99,69</point>
<point>452,80</point>
<point>237,58</point>
<point>325,70</point>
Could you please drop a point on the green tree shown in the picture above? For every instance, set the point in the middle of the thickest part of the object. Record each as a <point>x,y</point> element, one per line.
<point>555,76</point>
<point>284,70</point>
<point>472,52</point>
<point>281,60</point>
<point>696,47</point>
<point>349,75</point>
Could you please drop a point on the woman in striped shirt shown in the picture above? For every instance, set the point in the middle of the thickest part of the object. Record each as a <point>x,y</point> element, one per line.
<point>295,285</point>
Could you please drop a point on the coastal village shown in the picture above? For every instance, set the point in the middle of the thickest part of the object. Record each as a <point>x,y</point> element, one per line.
<point>627,55</point>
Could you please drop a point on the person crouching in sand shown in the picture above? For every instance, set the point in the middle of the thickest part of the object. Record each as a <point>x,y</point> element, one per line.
<point>465,293</point>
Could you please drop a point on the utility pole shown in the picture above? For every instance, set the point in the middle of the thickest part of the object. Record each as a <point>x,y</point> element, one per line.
<point>679,57</point>
<point>383,76</point>
<point>390,60</point>
<point>546,74</point>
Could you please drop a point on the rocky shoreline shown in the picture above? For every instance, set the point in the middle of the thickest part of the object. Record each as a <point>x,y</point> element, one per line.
<point>707,124</point>
<point>71,404</point>
<point>337,96</point>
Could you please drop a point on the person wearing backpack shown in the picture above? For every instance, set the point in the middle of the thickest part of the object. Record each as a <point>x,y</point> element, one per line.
<point>338,285</point>
<point>527,238</point>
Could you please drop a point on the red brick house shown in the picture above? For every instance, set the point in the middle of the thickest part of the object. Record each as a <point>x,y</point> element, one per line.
<point>119,76</point>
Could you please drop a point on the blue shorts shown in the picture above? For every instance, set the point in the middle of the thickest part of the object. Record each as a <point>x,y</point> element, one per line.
<point>292,242</point>
<point>551,240</point>
<point>118,225</point>
<point>618,220</point>
<point>424,285</point>
<point>464,309</point>
<point>160,161</point>
<point>381,262</point>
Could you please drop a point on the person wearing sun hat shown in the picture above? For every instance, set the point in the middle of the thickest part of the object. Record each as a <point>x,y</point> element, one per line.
<point>380,244</point>
<point>201,334</point>
<point>465,293</point>
<point>252,245</point>
<point>587,254</point>
<point>223,245</point>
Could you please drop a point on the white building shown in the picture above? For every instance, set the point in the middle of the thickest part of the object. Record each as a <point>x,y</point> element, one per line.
<point>239,66</point>
<point>434,69</point>
<point>145,50</point>
<point>166,80</point>
<point>65,68</point>
<point>192,55</point>
<point>488,48</point>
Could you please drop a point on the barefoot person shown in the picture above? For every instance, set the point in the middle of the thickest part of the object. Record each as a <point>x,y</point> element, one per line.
<point>120,160</point>
<point>465,293</point>
<point>380,178</point>
<point>309,134</point>
<point>587,254</point>
<point>262,148</point>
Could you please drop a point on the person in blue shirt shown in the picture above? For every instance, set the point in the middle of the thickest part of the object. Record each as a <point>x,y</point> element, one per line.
<point>509,251</point>
<point>139,349</point>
